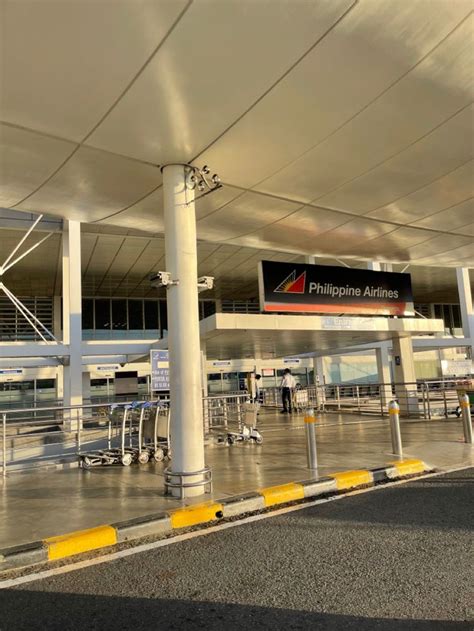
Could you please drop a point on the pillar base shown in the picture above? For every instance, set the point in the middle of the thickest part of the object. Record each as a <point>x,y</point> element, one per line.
<point>408,401</point>
<point>183,484</point>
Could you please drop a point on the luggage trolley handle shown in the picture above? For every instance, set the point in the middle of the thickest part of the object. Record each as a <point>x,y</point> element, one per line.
<point>127,416</point>
<point>143,408</point>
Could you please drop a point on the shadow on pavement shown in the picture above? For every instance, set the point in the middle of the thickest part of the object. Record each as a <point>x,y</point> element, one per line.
<point>434,503</point>
<point>27,610</point>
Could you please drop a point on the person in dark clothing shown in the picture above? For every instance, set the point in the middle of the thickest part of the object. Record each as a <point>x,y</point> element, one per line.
<point>287,385</point>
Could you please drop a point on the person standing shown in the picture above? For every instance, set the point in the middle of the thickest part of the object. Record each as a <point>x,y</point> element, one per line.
<point>287,385</point>
<point>258,379</point>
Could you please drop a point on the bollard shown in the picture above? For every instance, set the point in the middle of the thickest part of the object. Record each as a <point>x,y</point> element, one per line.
<point>311,452</point>
<point>466,418</point>
<point>394,417</point>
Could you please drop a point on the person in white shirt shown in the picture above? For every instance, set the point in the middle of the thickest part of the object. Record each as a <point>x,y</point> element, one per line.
<point>287,385</point>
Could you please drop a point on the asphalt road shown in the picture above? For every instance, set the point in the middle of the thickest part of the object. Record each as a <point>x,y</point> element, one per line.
<point>397,558</point>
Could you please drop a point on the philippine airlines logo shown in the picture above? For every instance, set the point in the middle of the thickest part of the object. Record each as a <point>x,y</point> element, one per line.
<point>292,285</point>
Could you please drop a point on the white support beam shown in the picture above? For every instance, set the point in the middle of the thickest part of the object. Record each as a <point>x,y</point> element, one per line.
<point>72,312</point>
<point>404,373</point>
<point>187,440</point>
<point>384,374</point>
<point>20,243</point>
<point>465,303</point>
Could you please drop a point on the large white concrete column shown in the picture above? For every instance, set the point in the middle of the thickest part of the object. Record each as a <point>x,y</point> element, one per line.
<point>404,374</point>
<point>72,312</point>
<point>187,436</point>
<point>465,303</point>
<point>383,374</point>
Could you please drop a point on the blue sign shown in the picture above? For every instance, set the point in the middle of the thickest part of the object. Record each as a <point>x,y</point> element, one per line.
<point>160,370</point>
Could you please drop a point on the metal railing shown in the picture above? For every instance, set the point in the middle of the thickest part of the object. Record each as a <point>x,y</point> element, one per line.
<point>222,411</point>
<point>42,435</point>
<point>424,399</point>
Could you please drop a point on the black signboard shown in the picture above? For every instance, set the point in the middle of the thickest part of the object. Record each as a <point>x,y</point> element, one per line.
<point>299,288</point>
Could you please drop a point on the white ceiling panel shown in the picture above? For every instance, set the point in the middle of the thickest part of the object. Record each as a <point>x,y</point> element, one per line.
<point>326,89</point>
<point>441,151</point>
<point>27,159</point>
<point>452,219</point>
<point>434,90</point>
<point>65,63</point>
<point>219,60</point>
<point>443,244</point>
<point>445,192</point>
<point>149,209</point>
<point>94,184</point>
<point>243,215</point>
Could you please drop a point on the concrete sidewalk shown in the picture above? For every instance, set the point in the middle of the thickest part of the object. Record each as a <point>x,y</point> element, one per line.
<point>45,503</point>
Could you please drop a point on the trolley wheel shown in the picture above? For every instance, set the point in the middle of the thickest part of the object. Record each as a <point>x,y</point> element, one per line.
<point>86,462</point>
<point>159,455</point>
<point>144,457</point>
<point>230,440</point>
<point>458,411</point>
<point>259,440</point>
<point>126,460</point>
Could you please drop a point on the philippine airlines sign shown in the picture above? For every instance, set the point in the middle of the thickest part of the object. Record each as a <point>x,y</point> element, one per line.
<point>298,288</point>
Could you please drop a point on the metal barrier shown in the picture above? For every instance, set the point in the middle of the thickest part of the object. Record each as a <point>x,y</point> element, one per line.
<point>423,399</point>
<point>40,435</point>
<point>59,435</point>
<point>220,411</point>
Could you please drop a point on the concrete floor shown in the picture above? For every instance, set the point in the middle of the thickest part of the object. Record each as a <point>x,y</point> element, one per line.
<point>45,503</point>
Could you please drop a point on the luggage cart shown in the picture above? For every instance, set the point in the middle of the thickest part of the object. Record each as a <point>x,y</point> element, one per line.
<point>246,430</point>
<point>300,399</point>
<point>110,456</point>
<point>154,431</point>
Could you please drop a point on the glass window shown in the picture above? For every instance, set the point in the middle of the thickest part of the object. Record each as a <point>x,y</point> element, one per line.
<point>163,318</point>
<point>456,316</point>
<point>151,314</point>
<point>119,314</point>
<point>87,313</point>
<point>102,313</point>
<point>447,316</point>
<point>45,383</point>
<point>208,308</point>
<point>135,314</point>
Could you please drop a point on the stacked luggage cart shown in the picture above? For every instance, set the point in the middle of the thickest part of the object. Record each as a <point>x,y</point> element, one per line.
<point>136,433</point>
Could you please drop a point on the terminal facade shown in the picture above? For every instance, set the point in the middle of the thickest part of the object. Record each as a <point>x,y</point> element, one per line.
<point>123,162</point>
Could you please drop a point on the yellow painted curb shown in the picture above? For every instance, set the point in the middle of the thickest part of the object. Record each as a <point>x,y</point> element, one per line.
<point>407,467</point>
<point>349,479</point>
<point>80,541</point>
<point>283,493</point>
<point>197,514</point>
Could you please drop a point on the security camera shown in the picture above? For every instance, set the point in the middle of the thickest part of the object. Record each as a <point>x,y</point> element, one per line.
<point>201,185</point>
<point>216,179</point>
<point>205,283</point>
<point>162,279</point>
<point>206,170</point>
